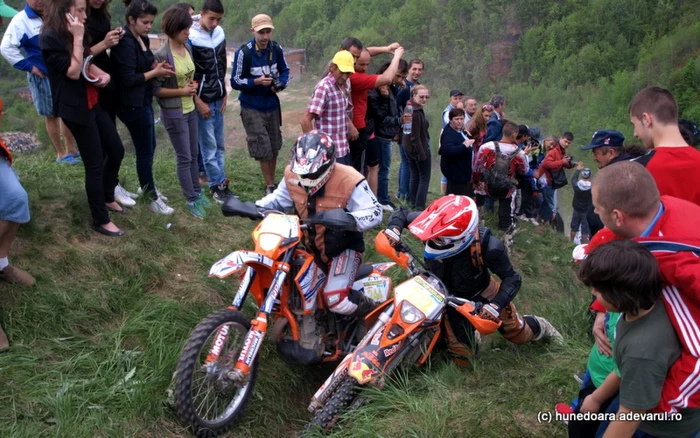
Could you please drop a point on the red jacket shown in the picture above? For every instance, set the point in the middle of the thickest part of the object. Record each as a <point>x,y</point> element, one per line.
<point>675,242</point>
<point>553,161</point>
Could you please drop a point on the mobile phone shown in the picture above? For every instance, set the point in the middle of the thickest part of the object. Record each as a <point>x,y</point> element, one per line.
<point>71,16</point>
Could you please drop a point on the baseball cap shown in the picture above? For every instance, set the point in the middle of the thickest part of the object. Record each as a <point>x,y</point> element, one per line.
<point>606,137</point>
<point>454,93</point>
<point>586,173</point>
<point>6,11</point>
<point>535,133</point>
<point>260,22</point>
<point>344,61</point>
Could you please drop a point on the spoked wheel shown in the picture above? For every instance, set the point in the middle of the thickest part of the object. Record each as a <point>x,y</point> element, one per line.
<point>211,396</point>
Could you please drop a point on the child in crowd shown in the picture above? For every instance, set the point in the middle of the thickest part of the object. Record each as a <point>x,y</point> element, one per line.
<point>581,203</point>
<point>624,277</point>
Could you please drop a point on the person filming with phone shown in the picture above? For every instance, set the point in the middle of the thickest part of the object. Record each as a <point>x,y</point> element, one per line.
<point>456,155</point>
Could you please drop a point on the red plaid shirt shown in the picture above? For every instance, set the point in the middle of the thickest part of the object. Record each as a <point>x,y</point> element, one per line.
<point>330,106</point>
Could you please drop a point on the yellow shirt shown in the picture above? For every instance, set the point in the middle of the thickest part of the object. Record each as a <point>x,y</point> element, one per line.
<point>184,71</point>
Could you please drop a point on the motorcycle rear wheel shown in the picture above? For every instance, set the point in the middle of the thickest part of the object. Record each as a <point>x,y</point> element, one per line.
<point>338,403</point>
<point>199,389</point>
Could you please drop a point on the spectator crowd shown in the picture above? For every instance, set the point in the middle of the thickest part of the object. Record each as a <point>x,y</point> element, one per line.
<point>636,215</point>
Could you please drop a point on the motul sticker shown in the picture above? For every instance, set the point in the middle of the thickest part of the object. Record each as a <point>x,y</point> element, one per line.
<point>220,340</point>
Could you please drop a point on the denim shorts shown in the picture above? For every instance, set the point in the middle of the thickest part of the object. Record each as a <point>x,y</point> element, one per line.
<point>14,202</point>
<point>41,94</point>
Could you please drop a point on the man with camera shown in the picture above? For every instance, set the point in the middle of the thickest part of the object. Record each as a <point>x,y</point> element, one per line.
<point>259,73</point>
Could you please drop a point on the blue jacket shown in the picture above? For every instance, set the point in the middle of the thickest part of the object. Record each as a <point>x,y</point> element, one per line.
<point>258,97</point>
<point>23,33</point>
<point>494,129</point>
<point>455,158</point>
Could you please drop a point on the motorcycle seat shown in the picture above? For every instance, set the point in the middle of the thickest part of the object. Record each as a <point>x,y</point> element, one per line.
<point>364,271</point>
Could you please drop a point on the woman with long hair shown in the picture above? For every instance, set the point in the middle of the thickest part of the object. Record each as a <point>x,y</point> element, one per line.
<point>175,95</point>
<point>64,46</point>
<point>135,67</point>
<point>417,147</point>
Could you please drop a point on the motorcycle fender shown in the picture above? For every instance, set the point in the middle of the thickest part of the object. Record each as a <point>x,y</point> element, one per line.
<point>309,282</point>
<point>237,261</point>
<point>370,359</point>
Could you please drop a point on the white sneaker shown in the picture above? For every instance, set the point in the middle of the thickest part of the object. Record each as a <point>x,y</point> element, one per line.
<point>522,217</point>
<point>534,222</point>
<point>122,196</point>
<point>387,207</point>
<point>158,194</point>
<point>158,206</point>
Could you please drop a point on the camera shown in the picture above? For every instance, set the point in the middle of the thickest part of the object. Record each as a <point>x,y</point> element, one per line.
<point>571,160</point>
<point>276,83</point>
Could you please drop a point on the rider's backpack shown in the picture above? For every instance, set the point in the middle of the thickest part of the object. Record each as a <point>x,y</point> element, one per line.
<point>497,179</point>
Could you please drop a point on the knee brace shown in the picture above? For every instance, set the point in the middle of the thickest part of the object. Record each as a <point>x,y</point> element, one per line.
<point>341,276</point>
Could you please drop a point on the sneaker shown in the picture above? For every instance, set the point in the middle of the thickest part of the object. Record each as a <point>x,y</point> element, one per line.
<point>158,194</point>
<point>221,192</point>
<point>269,189</point>
<point>196,209</point>
<point>534,222</point>
<point>67,159</point>
<point>203,178</point>
<point>17,276</point>
<point>125,192</point>
<point>122,197</point>
<point>158,206</point>
<point>579,377</point>
<point>203,201</point>
<point>387,207</point>
<point>547,330</point>
<point>521,217</point>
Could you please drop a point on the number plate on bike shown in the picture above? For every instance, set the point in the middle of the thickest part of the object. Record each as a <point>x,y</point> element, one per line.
<point>421,294</point>
<point>281,225</point>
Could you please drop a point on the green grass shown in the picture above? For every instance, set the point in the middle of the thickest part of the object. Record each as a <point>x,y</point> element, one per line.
<point>96,342</point>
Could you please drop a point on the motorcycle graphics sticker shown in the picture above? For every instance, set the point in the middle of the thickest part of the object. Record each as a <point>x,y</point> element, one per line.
<point>250,347</point>
<point>375,287</point>
<point>310,282</point>
<point>388,352</point>
<point>421,294</point>
<point>221,337</point>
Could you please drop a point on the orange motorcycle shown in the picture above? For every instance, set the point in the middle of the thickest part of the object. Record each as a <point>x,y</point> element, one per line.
<point>218,366</point>
<point>404,329</point>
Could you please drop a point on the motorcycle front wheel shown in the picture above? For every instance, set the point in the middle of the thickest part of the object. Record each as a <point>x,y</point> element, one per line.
<point>339,402</point>
<point>208,396</point>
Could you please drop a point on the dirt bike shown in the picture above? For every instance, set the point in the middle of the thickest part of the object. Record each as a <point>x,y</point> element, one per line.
<point>217,369</point>
<point>403,330</point>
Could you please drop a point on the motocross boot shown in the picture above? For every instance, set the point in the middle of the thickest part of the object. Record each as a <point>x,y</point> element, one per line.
<point>364,303</point>
<point>547,331</point>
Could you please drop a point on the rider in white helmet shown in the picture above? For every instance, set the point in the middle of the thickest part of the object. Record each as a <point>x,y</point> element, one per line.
<point>464,256</point>
<point>313,185</point>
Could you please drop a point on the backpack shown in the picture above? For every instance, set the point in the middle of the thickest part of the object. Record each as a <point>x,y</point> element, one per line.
<point>497,179</point>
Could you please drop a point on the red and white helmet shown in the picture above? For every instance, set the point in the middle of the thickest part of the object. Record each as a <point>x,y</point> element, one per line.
<point>448,226</point>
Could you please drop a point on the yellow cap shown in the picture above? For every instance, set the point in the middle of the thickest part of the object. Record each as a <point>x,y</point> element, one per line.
<point>260,22</point>
<point>344,61</point>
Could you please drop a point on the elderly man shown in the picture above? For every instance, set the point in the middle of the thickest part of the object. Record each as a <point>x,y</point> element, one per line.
<point>607,149</point>
<point>329,107</point>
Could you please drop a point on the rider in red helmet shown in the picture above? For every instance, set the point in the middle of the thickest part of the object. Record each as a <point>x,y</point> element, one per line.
<point>463,255</point>
<point>314,185</point>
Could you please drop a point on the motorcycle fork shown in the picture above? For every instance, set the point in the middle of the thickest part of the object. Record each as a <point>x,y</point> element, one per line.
<point>238,300</point>
<point>258,326</point>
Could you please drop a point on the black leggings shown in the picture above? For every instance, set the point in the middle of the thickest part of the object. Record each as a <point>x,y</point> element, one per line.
<point>102,152</point>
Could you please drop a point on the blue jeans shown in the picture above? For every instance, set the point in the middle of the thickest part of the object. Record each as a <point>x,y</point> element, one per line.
<point>141,126</point>
<point>384,170</point>
<point>211,143</point>
<point>548,206</point>
<point>404,174</point>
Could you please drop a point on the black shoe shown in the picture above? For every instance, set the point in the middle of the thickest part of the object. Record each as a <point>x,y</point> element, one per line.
<point>364,306</point>
<point>124,210</point>
<point>101,230</point>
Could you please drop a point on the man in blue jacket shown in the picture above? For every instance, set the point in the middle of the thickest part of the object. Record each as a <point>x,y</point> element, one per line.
<point>259,73</point>
<point>494,126</point>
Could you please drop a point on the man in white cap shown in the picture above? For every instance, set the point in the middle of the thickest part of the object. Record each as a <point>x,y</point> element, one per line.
<point>259,73</point>
<point>330,107</point>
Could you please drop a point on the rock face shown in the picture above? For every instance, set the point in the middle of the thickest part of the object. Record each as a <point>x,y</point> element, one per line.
<point>503,51</point>
<point>19,141</point>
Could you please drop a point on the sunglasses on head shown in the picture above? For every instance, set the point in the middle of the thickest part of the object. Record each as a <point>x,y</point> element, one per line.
<point>487,107</point>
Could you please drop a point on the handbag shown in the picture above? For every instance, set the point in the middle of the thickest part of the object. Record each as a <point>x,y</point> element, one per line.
<point>559,179</point>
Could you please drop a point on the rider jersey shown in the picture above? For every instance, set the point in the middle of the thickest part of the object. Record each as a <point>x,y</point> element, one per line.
<point>466,279</point>
<point>346,188</point>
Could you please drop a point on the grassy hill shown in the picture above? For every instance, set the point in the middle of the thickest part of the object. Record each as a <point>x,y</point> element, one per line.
<point>95,343</point>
